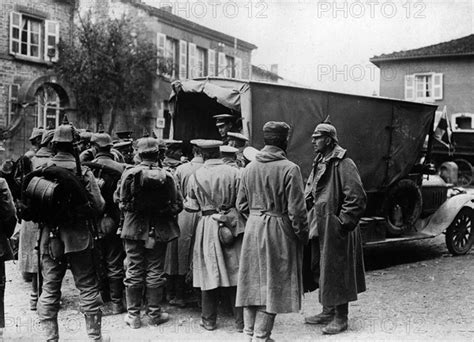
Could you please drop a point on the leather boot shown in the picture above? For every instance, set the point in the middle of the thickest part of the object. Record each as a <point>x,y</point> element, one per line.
<point>50,329</point>
<point>116,295</point>
<point>325,317</point>
<point>339,323</point>
<point>34,292</point>
<point>134,301</point>
<point>94,326</point>
<point>153,310</point>
<point>249,321</point>
<point>178,300</point>
<point>263,326</point>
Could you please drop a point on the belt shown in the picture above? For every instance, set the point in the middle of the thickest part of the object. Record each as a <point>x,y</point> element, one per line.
<point>209,212</point>
<point>267,213</point>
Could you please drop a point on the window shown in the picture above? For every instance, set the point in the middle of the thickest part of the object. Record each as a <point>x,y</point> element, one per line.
<point>170,54</point>
<point>229,67</point>
<point>201,62</point>
<point>49,109</point>
<point>238,67</point>
<point>211,62</point>
<point>183,59</point>
<point>166,49</point>
<point>192,60</point>
<point>426,87</point>
<point>462,122</point>
<point>221,64</point>
<point>33,38</point>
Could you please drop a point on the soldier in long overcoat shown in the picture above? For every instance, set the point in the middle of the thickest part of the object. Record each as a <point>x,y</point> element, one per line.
<point>270,275</point>
<point>27,254</point>
<point>335,193</point>
<point>211,190</point>
<point>179,251</point>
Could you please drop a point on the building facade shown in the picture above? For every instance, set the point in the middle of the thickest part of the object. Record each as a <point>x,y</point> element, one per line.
<point>30,94</point>
<point>442,74</point>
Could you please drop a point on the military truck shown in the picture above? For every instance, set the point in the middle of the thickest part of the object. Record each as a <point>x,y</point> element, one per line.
<point>384,137</point>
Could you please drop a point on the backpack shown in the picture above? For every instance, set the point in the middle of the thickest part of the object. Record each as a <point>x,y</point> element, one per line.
<point>107,178</point>
<point>153,192</point>
<point>54,195</point>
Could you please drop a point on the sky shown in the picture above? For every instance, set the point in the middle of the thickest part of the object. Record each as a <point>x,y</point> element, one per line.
<point>326,44</point>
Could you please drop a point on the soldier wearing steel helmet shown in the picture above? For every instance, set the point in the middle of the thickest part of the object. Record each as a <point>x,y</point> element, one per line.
<point>76,241</point>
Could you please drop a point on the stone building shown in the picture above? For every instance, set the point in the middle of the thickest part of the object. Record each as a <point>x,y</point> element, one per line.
<point>30,94</point>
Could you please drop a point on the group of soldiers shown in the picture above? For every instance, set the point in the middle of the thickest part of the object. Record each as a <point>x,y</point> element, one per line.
<point>231,220</point>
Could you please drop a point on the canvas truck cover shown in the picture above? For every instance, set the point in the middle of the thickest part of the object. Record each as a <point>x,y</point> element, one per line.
<point>383,136</point>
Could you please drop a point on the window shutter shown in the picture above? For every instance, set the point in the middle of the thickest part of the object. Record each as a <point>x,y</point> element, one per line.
<point>160,44</point>
<point>192,65</point>
<point>51,39</point>
<point>12,100</point>
<point>211,62</point>
<point>221,64</point>
<point>238,67</point>
<point>438,86</point>
<point>15,24</point>
<point>409,87</point>
<point>183,59</point>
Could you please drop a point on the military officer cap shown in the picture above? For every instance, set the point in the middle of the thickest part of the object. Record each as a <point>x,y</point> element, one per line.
<point>276,129</point>
<point>102,139</point>
<point>237,136</point>
<point>325,130</point>
<point>222,119</point>
<point>208,143</point>
<point>250,153</point>
<point>196,141</point>
<point>172,141</point>
<point>122,144</point>
<point>47,136</point>
<point>147,145</point>
<point>228,149</point>
<point>37,132</point>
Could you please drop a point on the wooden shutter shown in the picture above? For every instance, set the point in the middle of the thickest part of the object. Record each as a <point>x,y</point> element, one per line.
<point>192,57</point>
<point>12,101</point>
<point>211,62</point>
<point>238,67</point>
<point>183,59</point>
<point>15,29</point>
<point>221,64</point>
<point>51,39</point>
<point>409,87</point>
<point>160,44</point>
<point>438,86</point>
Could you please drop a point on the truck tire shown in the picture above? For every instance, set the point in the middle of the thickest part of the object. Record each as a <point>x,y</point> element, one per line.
<point>460,234</point>
<point>465,176</point>
<point>403,206</point>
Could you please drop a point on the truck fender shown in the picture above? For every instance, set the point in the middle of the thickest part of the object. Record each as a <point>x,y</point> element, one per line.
<point>440,220</point>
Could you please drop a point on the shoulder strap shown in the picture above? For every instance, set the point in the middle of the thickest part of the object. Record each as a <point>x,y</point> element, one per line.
<point>204,192</point>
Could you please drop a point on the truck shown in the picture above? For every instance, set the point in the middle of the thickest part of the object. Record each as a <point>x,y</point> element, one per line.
<point>385,138</point>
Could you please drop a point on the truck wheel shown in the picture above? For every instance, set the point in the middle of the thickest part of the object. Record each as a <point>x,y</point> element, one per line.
<point>403,206</point>
<point>460,234</point>
<point>464,172</point>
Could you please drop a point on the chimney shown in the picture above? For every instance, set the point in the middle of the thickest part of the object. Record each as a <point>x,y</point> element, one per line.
<point>274,68</point>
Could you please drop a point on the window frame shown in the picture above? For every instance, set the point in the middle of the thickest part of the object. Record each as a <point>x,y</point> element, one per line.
<point>413,86</point>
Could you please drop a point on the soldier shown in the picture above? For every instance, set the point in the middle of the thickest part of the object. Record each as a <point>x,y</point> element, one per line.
<point>271,194</point>
<point>229,155</point>
<point>179,251</point>
<point>27,254</point>
<point>7,225</point>
<point>69,242</point>
<point>213,190</point>
<point>150,200</point>
<point>239,141</point>
<point>173,154</point>
<point>36,137</point>
<point>224,124</point>
<point>109,172</point>
<point>90,153</point>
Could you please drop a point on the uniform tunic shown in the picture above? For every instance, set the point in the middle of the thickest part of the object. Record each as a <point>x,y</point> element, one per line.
<point>339,202</point>
<point>179,251</point>
<point>213,265</point>
<point>271,193</point>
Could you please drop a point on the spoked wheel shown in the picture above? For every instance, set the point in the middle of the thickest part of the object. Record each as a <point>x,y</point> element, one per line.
<point>465,176</point>
<point>460,234</point>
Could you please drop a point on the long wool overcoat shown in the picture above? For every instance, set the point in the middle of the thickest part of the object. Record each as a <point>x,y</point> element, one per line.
<point>214,265</point>
<point>339,202</point>
<point>179,251</point>
<point>271,193</point>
